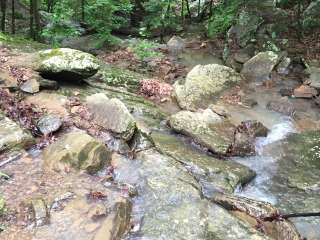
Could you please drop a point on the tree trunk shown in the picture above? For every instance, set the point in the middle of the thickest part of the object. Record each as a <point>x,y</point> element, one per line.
<point>83,10</point>
<point>37,23</point>
<point>31,19</point>
<point>13,17</point>
<point>3,15</point>
<point>188,9</point>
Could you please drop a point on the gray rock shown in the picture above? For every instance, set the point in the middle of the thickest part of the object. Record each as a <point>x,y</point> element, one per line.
<point>30,86</point>
<point>281,106</point>
<point>260,66</point>
<point>283,66</point>
<point>76,150</point>
<point>49,124</point>
<point>206,128</point>
<point>67,64</point>
<point>204,84</point>
<point>12,136</point>
<point>112,114</point>
<point>41,213</point>
<point>213,175</point>
<point>176,45</point>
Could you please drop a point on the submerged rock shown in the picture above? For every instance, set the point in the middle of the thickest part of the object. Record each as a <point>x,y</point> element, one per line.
<point>260,66</point>
<point>67,64</point>
<point>281,106</point>
<point>245,136</point>
<point>204,84</point>
<point>305,91</point>
<point>76,150</point>
<point>206,128</point>
<point>40,211</point>
<point>49,124</point>
<point>111,114</point>
<point>213,175</point>
<point>12,136</point>
<point>117,223</point>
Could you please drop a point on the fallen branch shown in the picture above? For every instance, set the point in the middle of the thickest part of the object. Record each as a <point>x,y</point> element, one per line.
<point>10,159</point>
<point>291,215</point>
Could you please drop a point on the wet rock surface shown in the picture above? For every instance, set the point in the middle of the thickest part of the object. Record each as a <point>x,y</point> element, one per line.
<point>214,175</point>
<point>206,128</point>
<point>112,114</point>
<point>49,124</point>
<point>12,136</point>
<point>76,150</point>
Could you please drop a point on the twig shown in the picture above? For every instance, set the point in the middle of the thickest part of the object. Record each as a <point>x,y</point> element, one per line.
<point>291,215</point>
<point>10,159</point>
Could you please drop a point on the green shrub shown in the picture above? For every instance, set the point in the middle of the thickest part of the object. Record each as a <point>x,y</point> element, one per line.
<point>223,17</point>
<point>145,49</point>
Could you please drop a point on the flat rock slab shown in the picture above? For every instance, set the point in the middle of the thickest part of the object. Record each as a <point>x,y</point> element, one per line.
<point>12,135</point>
<point>213,174</point>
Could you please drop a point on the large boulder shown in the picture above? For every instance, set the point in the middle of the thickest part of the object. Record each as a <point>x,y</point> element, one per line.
<point>67,64</point>
<point>206,128</point>
<point>204,84</point>
<point>111,114</point>
<point>76,150</point>
<point>314,76</point>
<point>12,136</point>
<point>260,66</point>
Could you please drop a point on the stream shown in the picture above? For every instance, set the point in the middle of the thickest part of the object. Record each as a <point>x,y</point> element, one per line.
<point>174,181</point>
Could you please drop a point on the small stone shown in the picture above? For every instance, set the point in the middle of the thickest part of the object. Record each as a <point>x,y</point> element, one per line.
<point>48,84</point>
<point>281,106</point>
<point>305,92</point>
<point>248,102</point>
<point>97,211</point>
<point>286,92</point>
<point>30,86</point>
<point>283,66</point>
<point>41,214</point>
<point>49,124</point>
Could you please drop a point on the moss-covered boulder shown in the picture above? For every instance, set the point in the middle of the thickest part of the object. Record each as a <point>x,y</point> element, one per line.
<point>67,64</point>
<point>260,66</point>
<point>76,150</point>
<point>112,115</point>
<point>12,135</point>
<point>206,128</point>
<point>204,84</point>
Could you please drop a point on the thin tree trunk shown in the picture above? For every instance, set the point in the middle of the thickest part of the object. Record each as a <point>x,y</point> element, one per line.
<point>3,15</point>
<point>182,12</point>
<point>83,10</point>
<point>31,19</point>
<point>188,9</point>
<point>36,19</point>
<point>13,17</point>
<point>199,9</point>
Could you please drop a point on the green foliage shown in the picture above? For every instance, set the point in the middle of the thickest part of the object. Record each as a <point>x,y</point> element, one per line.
<point>107,15</point>
<point>160,16</point>
<point>223,17</point>
<point>145,49</point>
<point>60,23</point>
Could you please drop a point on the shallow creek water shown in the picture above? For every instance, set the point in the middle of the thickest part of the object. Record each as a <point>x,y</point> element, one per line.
<point>170,204</point>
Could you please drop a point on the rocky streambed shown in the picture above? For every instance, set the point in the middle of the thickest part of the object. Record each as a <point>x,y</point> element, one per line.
<point>224,161</point>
